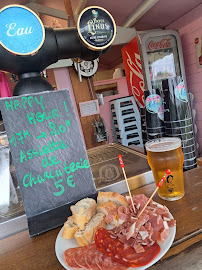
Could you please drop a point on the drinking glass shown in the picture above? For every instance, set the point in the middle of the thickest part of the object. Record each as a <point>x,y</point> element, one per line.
<point>162,154</point>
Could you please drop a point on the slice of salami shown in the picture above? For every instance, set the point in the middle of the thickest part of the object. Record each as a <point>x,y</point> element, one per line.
<point>105,262</point>
<point>69,257</point>
<point>78,257</point>
<point>122,253</point>
<point>89,258</point>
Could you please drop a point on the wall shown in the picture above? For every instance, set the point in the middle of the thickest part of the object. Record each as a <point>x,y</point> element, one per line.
<point>63,81</point>
<point>188,34</point>
<point>83,93</point>
<point>105,111</point>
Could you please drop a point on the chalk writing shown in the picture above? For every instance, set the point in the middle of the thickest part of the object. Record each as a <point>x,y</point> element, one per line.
<point>48,151</point>
<point>50,147</point>
<point>61,128</point>
<point>66,109</point>
<point>76,166</point>
<point>50,162</point>
<point>29,180</point>
<point>58,185</point>
<point>41,116</point>
<point>43,135</point>
<point>24,103</point>
<point>19,136</point>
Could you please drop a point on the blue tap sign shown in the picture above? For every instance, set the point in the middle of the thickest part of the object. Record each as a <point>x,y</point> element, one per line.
<point>22,32</point>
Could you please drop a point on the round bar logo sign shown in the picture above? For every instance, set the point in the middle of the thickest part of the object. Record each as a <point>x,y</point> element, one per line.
<point>22,32</point>
<point>96,28</point>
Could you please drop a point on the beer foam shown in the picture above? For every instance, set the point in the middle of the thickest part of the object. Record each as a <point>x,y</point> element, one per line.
<point>163,144</point>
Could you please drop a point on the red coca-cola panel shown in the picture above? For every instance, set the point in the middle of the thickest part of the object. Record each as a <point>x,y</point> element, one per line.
<point>133,70</point>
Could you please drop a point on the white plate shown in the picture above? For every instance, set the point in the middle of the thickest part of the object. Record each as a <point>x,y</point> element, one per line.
<point>62,244</point>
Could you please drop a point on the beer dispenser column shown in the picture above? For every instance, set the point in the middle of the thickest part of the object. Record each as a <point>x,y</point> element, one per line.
<point>27,47</point>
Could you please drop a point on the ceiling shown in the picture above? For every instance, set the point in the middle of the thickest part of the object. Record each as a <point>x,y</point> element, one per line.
<point>162,14</point>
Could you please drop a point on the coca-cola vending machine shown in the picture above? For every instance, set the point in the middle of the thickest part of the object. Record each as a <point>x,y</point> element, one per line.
<point>155,74</point>
<point>161,53</point>
<point>150,58</point>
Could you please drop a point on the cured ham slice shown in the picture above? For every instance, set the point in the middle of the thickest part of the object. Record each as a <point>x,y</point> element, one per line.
<point>152,226</point>
<point>123,212</point>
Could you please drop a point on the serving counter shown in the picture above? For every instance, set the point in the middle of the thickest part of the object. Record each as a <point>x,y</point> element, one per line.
<point>21,252</point>
<point>107,174</point>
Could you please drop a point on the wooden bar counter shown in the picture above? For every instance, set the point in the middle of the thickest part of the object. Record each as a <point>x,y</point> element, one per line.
<point>19,252</point>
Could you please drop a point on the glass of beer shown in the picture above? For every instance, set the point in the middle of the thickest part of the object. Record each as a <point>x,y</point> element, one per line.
<point>162,154</point>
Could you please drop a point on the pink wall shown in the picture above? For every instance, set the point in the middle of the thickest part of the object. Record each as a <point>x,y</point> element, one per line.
<point>188,34</point>
<point>63,81</point>
<point>105,112</point>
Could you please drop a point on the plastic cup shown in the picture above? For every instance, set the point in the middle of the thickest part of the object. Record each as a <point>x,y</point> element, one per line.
<point>189,155</point>
<point>188,149</point>
<point>176,103</point>
<point>176,124</point>
<point>156,129</point>
<point>189,162</point>
<point>183,137</point>
<point>188,142</point>
<point>154,109</point>
<point>155,135</point>
<point>186,168</point>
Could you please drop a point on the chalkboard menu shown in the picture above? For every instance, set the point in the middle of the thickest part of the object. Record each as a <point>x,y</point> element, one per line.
<point>49,155</point>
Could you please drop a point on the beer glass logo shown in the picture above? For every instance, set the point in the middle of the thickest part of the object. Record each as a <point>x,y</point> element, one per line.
<point>96,25</point>
<point>169,186</point>
<point>180,92</point>
<point>95,13</point>
<point>154,104</point>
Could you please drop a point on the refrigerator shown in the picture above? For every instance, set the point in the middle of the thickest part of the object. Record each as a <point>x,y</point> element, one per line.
<point>155,74</point>
<point>161,53</point>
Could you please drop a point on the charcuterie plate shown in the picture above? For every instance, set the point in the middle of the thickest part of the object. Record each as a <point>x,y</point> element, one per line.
<point>62,244</point>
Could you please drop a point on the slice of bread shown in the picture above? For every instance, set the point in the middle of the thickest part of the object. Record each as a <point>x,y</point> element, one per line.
<point>111,212</point>
<point>83,211</point>
<point>114,197</point>
<point>69,228</point>
<point>86,236</point>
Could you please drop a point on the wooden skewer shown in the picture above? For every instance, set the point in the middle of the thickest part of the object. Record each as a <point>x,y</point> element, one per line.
<point>158,186</point>
<point>122,166</point>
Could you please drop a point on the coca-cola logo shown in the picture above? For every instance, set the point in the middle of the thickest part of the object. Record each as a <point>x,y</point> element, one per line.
<point>196,40</point>
<point>136,78</point>
<point>164,43</point>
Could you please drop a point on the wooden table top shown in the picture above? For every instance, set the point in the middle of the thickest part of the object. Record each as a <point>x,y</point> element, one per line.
<point>19,252</point>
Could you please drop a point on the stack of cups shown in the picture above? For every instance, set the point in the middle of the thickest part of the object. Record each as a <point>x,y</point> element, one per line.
<point>143,126</point>
<point>178,118</point>
<point>154,114</point>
